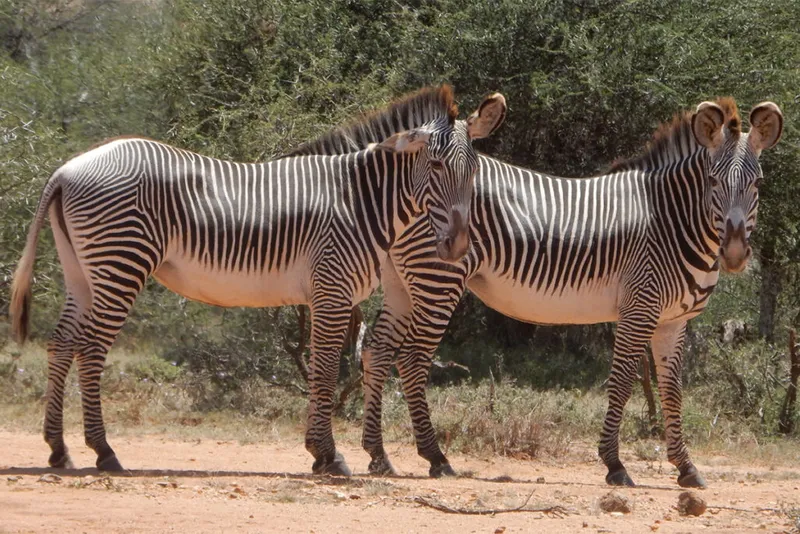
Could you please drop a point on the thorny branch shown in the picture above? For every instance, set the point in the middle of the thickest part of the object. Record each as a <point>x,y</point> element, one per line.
<point>556,510</point>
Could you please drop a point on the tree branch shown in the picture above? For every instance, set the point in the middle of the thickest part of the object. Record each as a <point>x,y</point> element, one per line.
<point>556,510</point>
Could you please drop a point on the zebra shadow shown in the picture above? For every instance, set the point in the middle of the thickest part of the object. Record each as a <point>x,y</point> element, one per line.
<point>328,480</point>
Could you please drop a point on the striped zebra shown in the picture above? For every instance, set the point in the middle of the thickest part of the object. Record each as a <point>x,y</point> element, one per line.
<point>641,246</point>
<point>303,229</point>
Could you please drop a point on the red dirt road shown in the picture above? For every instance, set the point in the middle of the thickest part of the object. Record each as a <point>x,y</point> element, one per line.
<point>210,486</point>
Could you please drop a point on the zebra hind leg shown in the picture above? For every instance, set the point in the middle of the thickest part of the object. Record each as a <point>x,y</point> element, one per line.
<point>110,309</point>
<point>60,354</point>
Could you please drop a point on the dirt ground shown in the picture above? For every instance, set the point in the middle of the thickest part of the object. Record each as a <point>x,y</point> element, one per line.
<point>213,486</point>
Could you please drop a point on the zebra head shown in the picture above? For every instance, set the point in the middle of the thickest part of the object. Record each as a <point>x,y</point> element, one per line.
<point>444,171</point>
<point>734,173</point>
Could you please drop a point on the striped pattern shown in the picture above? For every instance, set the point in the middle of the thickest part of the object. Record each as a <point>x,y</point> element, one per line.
<point>641,246</point>
<point>304,229</point>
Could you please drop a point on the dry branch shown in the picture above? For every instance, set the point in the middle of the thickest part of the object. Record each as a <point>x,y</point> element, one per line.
<point>449,365</point>
<point>556,510</point>
<point>749,510</point>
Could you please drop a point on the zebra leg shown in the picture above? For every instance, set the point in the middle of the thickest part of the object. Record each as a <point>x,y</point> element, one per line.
<point>667,344</point>
<point>633,333</point>
<point>388,333</point>
<point>329,322</point>
<point>434,301</point>
<point>414,368</point>
<point>60,353</point>
<point>115,290</point>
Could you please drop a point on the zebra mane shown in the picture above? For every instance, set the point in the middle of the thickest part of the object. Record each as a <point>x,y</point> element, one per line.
<point>409,112</point>
<point>675,139</point>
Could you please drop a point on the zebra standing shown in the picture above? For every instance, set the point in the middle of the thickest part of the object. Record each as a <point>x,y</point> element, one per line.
<point>641,246</point>
<point>299,230</point>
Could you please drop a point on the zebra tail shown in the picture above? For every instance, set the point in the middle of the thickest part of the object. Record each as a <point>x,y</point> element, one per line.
<point>21,294</point>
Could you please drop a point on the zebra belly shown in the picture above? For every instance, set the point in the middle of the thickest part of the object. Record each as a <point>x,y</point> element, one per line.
<point>255,289</point>
<point>588,305</point>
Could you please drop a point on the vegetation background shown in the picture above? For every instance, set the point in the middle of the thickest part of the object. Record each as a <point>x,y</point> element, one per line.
<point>587,81</point>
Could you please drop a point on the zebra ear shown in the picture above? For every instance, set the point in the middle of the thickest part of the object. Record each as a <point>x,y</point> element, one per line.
<point>407,141</point>
<point>488,117</point>
<point>707,124</point>
<point>766,126</point>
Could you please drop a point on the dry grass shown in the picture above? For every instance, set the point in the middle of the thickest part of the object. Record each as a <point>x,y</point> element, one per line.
<point>142,394</point>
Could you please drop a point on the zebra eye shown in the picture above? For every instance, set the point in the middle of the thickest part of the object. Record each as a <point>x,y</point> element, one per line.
<point>713,180</point>
<point>757,183</point>
<point>437,165</point>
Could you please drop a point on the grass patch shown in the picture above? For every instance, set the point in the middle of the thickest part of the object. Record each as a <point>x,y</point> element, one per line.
<point>144,394</point>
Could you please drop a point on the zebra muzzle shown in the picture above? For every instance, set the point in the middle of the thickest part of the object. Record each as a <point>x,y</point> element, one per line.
<point>735,250</point>
<point>454,245</point>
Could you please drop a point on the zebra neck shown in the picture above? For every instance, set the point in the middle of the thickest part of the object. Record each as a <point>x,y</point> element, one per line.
<point>384,192</point>
<point>682,201</point>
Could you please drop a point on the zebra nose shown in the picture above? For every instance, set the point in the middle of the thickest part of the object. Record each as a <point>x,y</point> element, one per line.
<point>455,243</point>
<point>735,250</point>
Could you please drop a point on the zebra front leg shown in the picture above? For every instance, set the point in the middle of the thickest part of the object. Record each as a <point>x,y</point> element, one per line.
<point>414,368</point>
<point>376,364</point>
<point>633,333</point>
<point>388,333</point>
<point>667,343</point>
<point>328,330</point>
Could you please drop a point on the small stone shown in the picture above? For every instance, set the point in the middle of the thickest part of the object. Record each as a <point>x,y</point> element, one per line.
<point>14,478</point>
<point>239,490</point>
<point>233,496</point>
<point>585,524</point>
<point>689,503</point>
<point>499,530</point>
<point>540,480</point>
<point>654,527</point>
<point>354,497</point>
<point>50,478</point>
<point>614,502</point>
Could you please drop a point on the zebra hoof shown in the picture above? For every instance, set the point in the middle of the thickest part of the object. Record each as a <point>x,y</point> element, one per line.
<point>381,467</point>
<point>619,478</point>
<point>61,460</point>
<point>691,479</point>
<point>336,467</point>
<point>441,470</point>
<point>109,464</point>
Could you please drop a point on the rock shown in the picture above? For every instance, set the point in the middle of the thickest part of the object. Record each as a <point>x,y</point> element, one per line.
<point>50,478</point>
<point>614,502</point>
<point>689,503</point>
<point>540,480</point>
<point>499,530</point>
<point>14,478</point>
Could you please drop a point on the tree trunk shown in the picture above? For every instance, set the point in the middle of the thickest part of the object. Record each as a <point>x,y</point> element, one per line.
<point>786,420</point>
<point>771,285</point>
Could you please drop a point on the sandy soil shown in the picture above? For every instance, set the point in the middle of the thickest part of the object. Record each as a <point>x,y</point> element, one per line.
<point>212,486</point>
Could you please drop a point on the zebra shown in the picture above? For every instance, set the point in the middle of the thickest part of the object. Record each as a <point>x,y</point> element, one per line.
<point>641,245</point>
<point>302,229</point>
